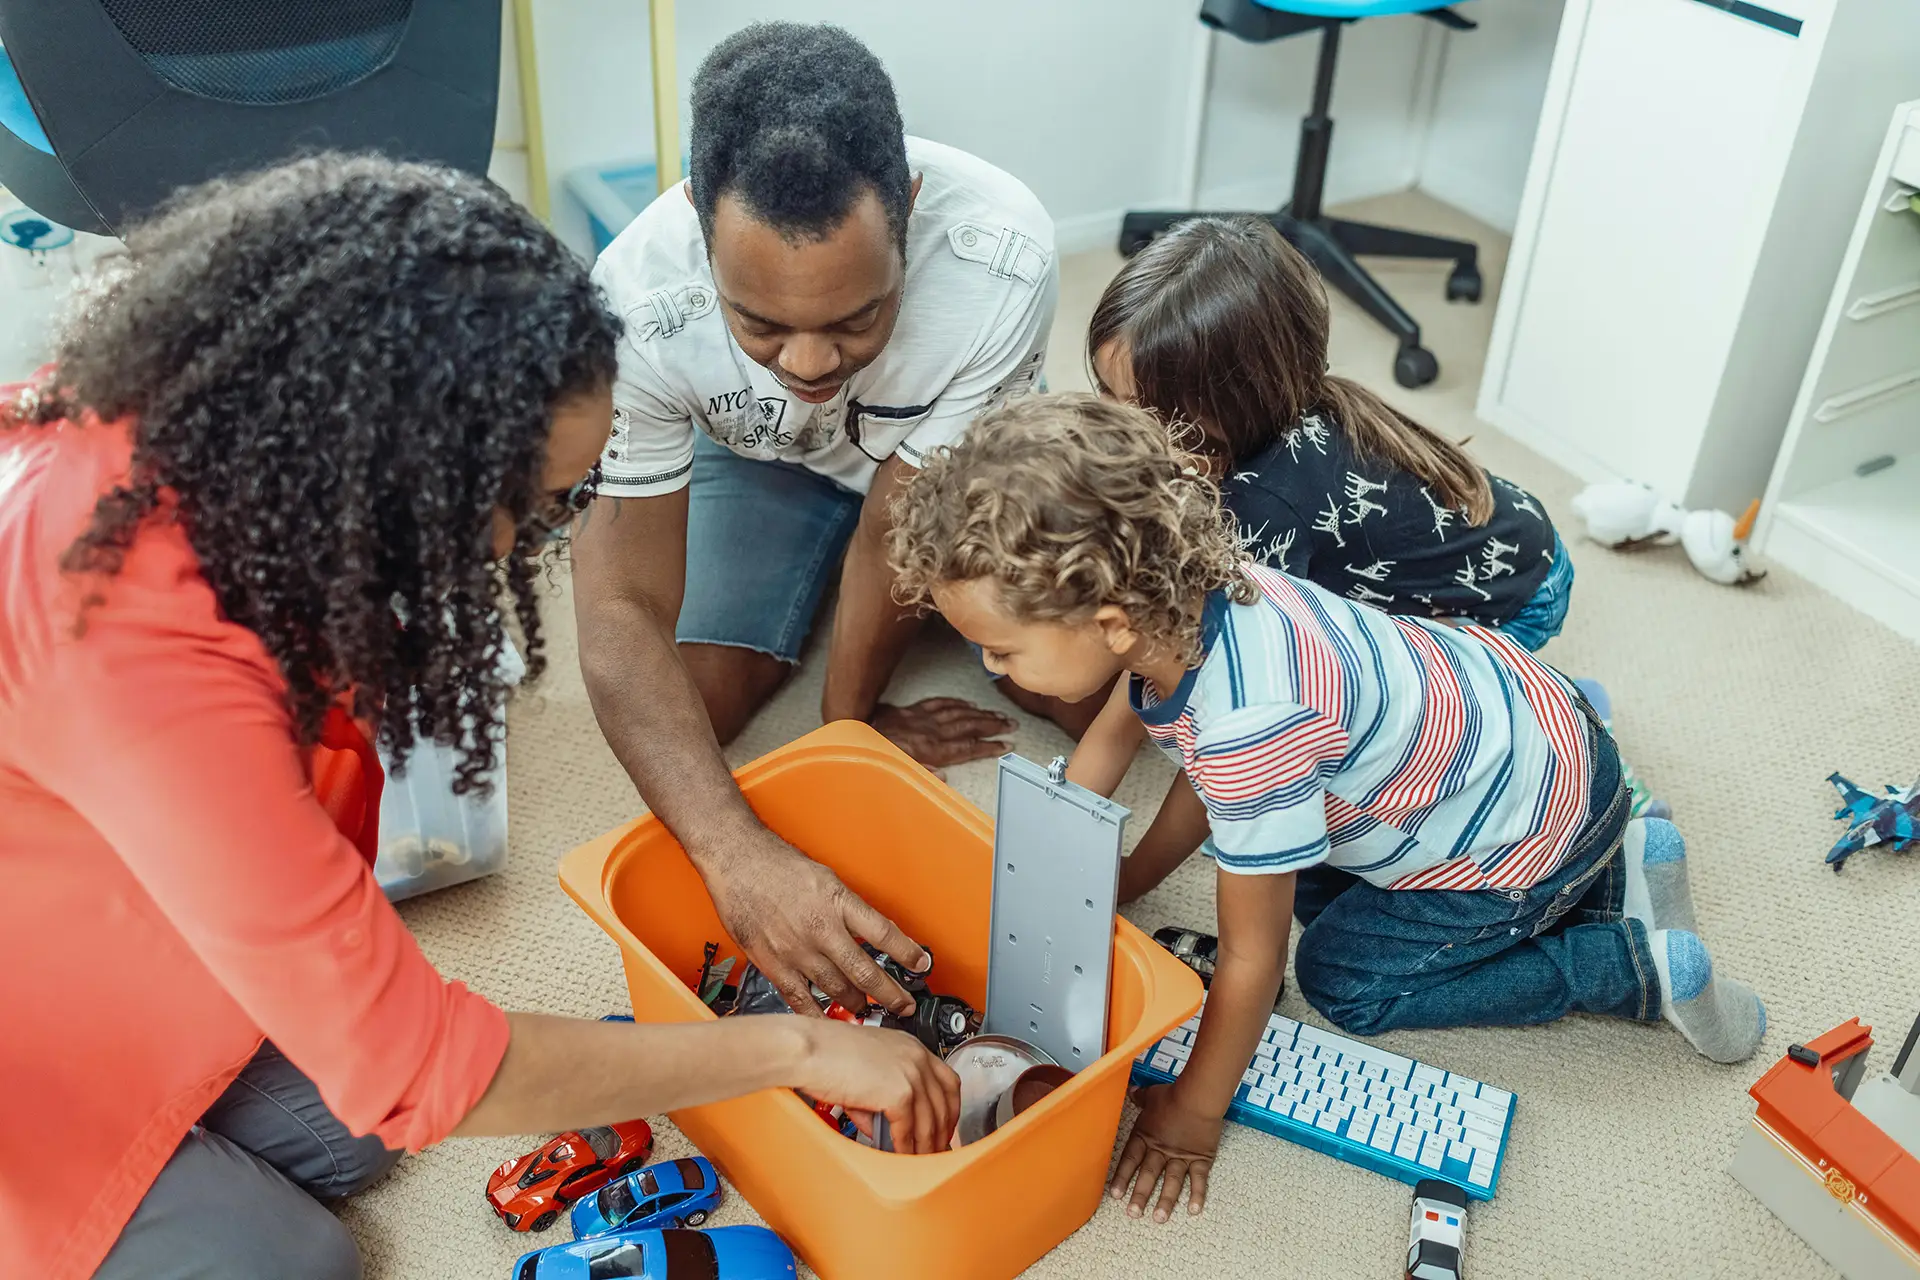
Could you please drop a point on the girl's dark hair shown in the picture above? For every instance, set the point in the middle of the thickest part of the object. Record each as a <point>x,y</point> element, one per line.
<point>1224,325</point>
<point>338,368</point>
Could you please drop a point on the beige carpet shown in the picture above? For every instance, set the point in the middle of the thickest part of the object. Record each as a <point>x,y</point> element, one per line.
<point>1735,703</point>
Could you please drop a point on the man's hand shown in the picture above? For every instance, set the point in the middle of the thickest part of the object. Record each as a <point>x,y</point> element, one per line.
<point>1171,1144</point>
<point>797,923</point>
<point>943,731</point>
<point>869,1072</point>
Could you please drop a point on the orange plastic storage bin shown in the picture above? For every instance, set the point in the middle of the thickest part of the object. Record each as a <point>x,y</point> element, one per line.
<point>917,851</point>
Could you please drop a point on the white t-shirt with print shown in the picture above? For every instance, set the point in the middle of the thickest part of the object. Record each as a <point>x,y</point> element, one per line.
<point>975,310</point>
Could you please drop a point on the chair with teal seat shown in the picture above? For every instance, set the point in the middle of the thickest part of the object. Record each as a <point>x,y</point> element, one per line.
<point>1334,244</point>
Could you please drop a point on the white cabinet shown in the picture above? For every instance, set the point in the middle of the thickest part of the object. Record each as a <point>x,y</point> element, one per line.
<point>1688,203</point>
<point>1843,507</point>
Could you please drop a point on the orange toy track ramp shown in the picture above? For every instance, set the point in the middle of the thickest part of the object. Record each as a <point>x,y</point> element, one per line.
<point>923,856</point>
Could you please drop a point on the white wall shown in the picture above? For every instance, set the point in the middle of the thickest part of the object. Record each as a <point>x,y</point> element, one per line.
<point>1085,99</point>
<point>1082,99</point>
<point>1259,92</point>
<point>1487,108</point>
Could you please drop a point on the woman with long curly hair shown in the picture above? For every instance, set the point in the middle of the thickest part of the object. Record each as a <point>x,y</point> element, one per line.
<point>304,437</point>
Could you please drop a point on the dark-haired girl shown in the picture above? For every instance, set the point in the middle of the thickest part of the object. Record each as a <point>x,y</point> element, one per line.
<point>1222,325</point>
<point>301,409</point>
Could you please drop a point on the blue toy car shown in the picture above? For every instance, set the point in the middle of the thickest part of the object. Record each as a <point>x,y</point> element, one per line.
<point>673,1193</point>
<point>724,1253</point>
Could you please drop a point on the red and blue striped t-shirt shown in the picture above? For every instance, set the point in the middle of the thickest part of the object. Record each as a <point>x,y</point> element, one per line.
<point>1414,754</point>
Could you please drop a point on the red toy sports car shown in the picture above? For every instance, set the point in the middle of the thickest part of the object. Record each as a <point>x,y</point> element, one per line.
<point>529,1192</point>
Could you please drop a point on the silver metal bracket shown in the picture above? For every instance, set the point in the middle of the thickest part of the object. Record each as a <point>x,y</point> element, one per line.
<point>1056,875</point>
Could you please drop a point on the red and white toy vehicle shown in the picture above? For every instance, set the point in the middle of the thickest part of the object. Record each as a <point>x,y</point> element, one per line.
<point>530,1192</point>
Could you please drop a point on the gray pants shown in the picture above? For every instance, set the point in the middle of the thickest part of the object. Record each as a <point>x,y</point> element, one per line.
<point>241,1197</point>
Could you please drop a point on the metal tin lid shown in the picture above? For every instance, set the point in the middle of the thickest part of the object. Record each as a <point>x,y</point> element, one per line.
<point>987,1066</point>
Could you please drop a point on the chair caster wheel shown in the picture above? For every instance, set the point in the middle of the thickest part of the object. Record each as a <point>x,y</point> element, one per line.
<point>1464,284</point>
<point>1415,367</point>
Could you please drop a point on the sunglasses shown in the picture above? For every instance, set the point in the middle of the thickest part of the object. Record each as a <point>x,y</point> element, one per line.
<point>553,520</point>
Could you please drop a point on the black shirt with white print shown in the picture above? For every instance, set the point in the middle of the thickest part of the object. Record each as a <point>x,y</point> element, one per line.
<point>1311,506</point>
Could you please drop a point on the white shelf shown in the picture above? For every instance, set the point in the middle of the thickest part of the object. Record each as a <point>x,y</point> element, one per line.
<point>1859,538</point>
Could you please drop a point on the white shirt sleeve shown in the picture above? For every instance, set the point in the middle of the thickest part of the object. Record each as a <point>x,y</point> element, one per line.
<point>651,449</point>
<point>1009,365</point>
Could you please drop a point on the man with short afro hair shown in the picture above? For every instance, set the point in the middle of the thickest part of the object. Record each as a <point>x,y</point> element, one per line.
<point>822,303</point>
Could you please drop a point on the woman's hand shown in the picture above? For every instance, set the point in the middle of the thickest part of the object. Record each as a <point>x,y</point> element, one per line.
<point>1171,1144</point>
<point>869,1071</point>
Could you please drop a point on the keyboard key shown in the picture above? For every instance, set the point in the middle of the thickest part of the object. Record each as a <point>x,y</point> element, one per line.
<point>1460,1151</point>
<point>1251,1077</point>
<point>1433,1152</point>
<point>1179,1050</point>
<point>1340,1110</point>
<point>1259,1098</point>
<point>1426,1124</point>
<point>1164,1062</point>
<point>1306,1110</point>
<point>1286,1027</point>
<point>1384,1135</point>
<point>1360,1128</point>
<point>1484,1107</point>
<point>1328,1121</point>
<point>1452,1115</point>
<point>1499,1098</point>
<point>1453,1133</point>
<point>1489,1130</point>
<point>1404,1115</point>
<point>1425,1106</point>
<point>1408,1148</point>
<point>1264,1050</point>
<point>1424,1074</point>
<point>1482,1173</point>
<point>1461,1084</point>
<point>1179,1065</point>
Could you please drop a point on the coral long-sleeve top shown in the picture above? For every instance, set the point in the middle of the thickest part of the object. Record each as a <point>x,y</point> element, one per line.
<point>172,886</point>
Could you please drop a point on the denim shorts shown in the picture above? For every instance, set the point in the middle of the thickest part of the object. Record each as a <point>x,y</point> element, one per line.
<point>764,539</point>
<point>1541,618</point>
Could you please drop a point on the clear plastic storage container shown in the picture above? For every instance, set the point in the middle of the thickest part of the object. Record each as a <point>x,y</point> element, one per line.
<point>431,838</point>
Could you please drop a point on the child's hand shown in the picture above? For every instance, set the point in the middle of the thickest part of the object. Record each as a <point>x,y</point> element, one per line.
<point>1170,1144</point>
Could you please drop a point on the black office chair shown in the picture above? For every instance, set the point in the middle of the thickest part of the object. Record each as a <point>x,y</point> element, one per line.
<point>1333,243</point>
<point>107,105</point>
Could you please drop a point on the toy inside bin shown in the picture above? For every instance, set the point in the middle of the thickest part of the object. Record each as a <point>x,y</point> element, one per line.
<point>923,856</point>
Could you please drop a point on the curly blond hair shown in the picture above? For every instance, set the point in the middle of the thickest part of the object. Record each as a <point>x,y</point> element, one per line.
<point>1068,503</point>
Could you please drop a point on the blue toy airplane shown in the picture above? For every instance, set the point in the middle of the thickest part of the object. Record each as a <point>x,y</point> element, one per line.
<point>1892,819</point>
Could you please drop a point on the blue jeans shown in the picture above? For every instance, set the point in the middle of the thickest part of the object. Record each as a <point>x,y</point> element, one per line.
<point>1374,959</point>
<point>763,541</point>
<point>1541,618</point>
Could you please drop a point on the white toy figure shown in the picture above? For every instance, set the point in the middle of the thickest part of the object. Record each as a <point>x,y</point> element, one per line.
<point>1631,515</point>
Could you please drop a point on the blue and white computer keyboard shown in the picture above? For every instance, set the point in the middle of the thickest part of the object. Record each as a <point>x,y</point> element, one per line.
<point>1360,1104</point>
